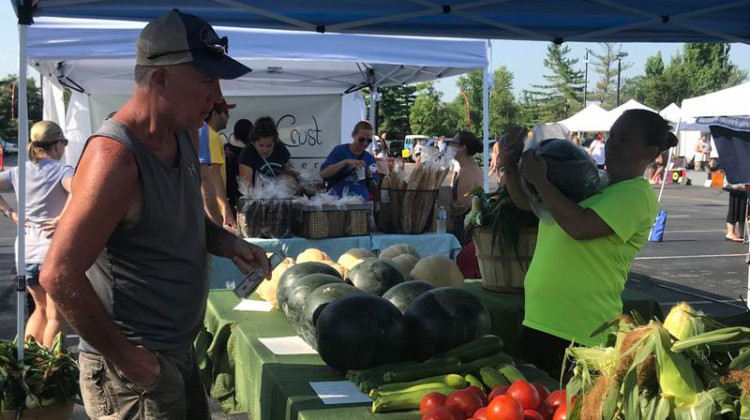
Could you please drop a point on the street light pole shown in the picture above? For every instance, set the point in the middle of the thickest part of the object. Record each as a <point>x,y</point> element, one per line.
<point>586,78</point>
<point>620,56</point>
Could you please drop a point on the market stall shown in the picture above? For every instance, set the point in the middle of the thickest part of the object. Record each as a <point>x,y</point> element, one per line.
<point>590,119</point>
<point>247,377</point>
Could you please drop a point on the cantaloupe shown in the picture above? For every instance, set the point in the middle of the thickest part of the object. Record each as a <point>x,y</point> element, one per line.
<point>395,250</point>
<point>438,270</point>
<point>313,254</point>
<point>354,257</point>
<point>267,289</point>
<point>338,267</point>
<point>405,263</point>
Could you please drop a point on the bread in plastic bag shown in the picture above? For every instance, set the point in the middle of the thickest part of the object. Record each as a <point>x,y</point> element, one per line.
<point>569,167</point>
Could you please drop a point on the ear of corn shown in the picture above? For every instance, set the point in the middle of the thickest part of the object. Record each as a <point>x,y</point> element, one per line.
<point>683,322</point>
<point>676,376</point>
<point>703,408</point>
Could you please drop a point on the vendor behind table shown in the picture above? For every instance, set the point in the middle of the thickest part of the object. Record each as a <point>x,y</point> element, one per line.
<point>265,155</point>
<point>350,169</point>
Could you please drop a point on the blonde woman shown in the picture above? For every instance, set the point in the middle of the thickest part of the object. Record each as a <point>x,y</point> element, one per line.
<point>48,184</point>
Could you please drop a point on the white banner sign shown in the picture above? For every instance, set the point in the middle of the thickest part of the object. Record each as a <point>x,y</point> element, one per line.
<point>310,126</point>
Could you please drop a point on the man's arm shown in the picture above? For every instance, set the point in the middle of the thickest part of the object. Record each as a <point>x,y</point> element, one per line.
<point>244,255</point>
<point>210,205</point>
<point>220,190</point>
<point>334,168</point>
<point>106,185</point>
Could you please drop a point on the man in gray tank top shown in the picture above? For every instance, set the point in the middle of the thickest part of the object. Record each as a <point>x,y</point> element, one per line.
<point>128,265</point>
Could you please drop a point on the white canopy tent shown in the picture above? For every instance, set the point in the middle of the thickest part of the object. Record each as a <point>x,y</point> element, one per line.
<point>590,119</point>
<point>724,103</point>
<point>95,59</point>
<point>614,114</point>
<point>671,113</point>
<point>687,138</point>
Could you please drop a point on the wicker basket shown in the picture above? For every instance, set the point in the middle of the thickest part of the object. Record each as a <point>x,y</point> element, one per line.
<point>59,411</point>
<point>264,218</point>
<point>502,269</point>
<point>405,211</point>
<point>314,222</point>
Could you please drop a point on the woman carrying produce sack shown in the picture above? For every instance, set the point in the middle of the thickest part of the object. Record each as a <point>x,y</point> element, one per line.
<point>466,178</point>
<point>48,183</point>
<point>349,167</point>
<point>584,250</point>
<point>265,154</point>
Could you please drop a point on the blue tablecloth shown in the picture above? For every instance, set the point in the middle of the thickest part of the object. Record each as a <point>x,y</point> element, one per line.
<point>223,271</point>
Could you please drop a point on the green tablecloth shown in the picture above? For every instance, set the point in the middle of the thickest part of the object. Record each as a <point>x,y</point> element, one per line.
<point>247,377</point>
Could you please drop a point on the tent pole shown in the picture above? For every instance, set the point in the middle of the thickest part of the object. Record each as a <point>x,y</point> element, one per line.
<point>23,138</point>
<point>669,159</point>
<point>486,127</point>
<point>373,108</point>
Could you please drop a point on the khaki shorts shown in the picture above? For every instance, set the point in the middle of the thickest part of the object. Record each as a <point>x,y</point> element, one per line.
<point>177,394</point>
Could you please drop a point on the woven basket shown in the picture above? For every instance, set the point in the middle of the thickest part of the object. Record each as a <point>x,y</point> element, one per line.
<point>502,269</point>
<point>405,211</point>
<point>264,218</point>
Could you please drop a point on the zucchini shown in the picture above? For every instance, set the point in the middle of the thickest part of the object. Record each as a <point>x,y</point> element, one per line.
<point>402,401</point>
<point>473,380</point>
<point>423,370</point>
<point>494,361</point>
<point>511,373</point>
<point>359,375</point>
<point>451,379</point>
<point>481,347</point>
<point>492,377</point>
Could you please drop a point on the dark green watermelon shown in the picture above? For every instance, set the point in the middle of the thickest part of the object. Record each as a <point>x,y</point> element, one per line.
<point>443,318</point>
<point>297,294</point>
<point>360,331</point>
<point>298,271</point>
<point>316,302</point>
<point>403,294</point>
<point>374,276</point>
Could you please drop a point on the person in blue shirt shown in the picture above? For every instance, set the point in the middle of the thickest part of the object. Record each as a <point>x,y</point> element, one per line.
<point>344,166</point>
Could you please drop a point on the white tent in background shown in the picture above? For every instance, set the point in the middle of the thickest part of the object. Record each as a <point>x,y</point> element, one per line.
<point>591,118</point>
<point>614,114</point>
<point>724,103</point>
<point>671,113</point>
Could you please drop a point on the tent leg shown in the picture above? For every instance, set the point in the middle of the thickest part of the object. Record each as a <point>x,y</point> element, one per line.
<point>373,108</point>
<point>669,159</point>
<point>23,139</point>
<point>486,128</point>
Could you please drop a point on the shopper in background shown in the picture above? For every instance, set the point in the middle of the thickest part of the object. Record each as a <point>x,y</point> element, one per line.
<point>737,213</point>
<point>48,184</point>
<point>237,142</point>
<point>213,166</point>
<point>468,177</point>
<point>596,150</point>
<point>702,152</point>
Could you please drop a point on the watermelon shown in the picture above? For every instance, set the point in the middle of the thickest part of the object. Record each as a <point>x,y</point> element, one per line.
<point>297,294</point>
<point>316,302</point>
<point>359,331</point>
<point>402,294</point>
<point>297,272</point>
<point>374,276</point>
<point>443,318</point>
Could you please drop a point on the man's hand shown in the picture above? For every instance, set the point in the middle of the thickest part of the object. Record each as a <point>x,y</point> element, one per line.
<point>512,146</point>
<point>533,168</point>
<point>247,256</point>
<point>230,223</point>
<point>48,226</point>
<point>14,216</point>
<point>142,368</point>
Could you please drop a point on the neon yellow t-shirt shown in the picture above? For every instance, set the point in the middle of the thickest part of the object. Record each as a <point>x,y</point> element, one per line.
<point>217,152</point>
<point>574,287</point>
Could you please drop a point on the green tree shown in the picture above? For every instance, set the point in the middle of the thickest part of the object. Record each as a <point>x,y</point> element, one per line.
<point>504,111</point>
<point>394,103</point>
<point>428,113</point>
<point>9,105</point>
<point>562,96</point>
<point>605,65</point>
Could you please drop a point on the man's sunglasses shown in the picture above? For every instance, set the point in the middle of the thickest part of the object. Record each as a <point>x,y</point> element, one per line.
<point>365,140</point>
<point>219,48</point>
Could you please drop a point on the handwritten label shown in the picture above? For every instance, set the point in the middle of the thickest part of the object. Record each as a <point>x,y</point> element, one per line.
<point>253,305</point>
<point>287,346</point>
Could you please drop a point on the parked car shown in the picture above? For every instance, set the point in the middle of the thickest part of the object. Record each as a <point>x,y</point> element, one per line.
<point>395,147</point>
<point>8,147</point>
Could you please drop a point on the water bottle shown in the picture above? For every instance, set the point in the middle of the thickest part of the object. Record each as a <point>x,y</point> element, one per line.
<point>442,217</point>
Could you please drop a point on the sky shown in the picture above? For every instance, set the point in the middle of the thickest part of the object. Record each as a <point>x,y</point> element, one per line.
<point>524,58</point>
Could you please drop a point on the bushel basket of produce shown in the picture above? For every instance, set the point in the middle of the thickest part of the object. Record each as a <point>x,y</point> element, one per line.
<point>405,211</point>
<point>503,269</point>
<point>264,218</point>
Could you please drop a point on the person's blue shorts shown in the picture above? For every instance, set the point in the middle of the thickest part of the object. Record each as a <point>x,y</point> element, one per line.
<point>32,274</point>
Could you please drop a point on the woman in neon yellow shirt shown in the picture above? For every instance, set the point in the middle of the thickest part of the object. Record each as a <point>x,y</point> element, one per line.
<point>584,251</point>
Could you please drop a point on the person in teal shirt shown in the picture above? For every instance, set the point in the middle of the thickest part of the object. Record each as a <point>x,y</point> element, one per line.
<point>584,251</point>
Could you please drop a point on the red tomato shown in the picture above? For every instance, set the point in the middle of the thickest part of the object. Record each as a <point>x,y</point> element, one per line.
<point>504,407</point>
<point>497,391</point>
<point>480,394</point>
<point>480,414</point>
<point>443,413</point>
<point>542,390</point>
<point>556,399</point>
<point>532,415</point>
<point>546,410</point>
<point>465,400</point>
<point>430,401</point>
<point>561,413</point>
<point>524,393</point>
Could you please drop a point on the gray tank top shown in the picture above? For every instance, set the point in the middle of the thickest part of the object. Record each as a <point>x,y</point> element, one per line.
<point>152,277</point>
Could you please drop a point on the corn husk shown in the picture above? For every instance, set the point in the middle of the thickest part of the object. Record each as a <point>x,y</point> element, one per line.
<point>683,322</point>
